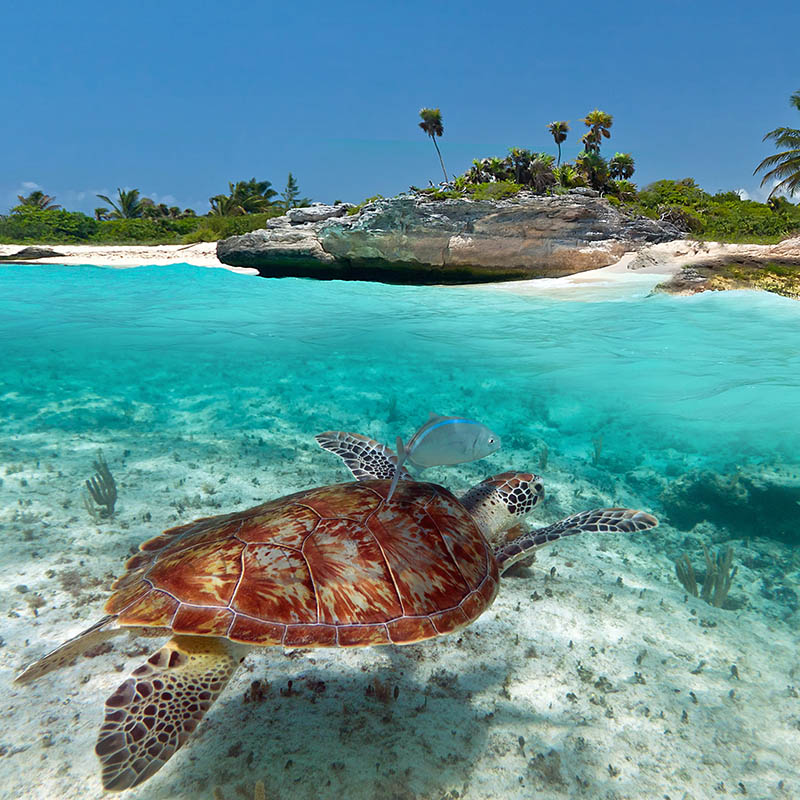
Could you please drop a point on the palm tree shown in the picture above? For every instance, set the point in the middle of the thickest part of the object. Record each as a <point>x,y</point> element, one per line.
<point>621,166</point>
<point>559,131</point>
<point>594,167</point>
<point>540,172</point>
<point>244,197</point>
<point>129,207</point>
<point>432,125</point>
<point>101,214</point>
<point>598,123</point>
<point>253,195</point>
<point>786,164</point>
<point>224,206</point>
<point>520,159</point>
<point>38,200</point>
<point>624,189</point>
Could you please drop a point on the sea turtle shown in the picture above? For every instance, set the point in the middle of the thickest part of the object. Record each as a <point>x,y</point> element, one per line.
<point>333,566</point>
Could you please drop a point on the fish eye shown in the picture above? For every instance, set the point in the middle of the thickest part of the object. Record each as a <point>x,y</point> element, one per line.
<point>491,440</point>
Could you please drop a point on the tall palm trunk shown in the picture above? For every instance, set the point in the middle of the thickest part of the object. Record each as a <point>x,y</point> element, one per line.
<point>558,163</point>
<point>433,138</point>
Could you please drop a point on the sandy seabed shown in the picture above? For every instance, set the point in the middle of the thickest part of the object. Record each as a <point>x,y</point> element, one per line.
<point>592,675</point>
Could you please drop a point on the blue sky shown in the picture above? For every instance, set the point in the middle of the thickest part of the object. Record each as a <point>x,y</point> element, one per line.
<point>176,98</point>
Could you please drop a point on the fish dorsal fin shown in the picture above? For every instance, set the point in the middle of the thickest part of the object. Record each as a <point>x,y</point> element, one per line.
<point>434,417</point>
<point>403,455</point>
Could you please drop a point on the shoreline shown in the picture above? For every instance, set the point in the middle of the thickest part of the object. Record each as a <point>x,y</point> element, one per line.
<point>681,267</point>
<point>126,256</point>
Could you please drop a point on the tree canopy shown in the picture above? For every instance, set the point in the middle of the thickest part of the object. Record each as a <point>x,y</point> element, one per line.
<point>128,205</point>
<point>244,197</point>
<point>559,132</point>
<point>783,167</point>
<point>598,123</point>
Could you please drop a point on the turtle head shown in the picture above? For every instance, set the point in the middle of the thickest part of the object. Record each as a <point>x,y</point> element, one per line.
<point>501,501</point>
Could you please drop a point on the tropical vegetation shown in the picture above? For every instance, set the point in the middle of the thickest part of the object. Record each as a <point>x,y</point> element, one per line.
<point>724,216</point>
<point>783,168</point>
<point>128,205</point>
<point>248,204</point>
<point>38,201</point>
<point>559,131</point>
<point>290,196</point>
<point>128,217</point>
<point>433,126</point>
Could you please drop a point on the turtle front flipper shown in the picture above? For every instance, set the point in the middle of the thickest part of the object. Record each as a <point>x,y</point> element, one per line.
<point>70,650</point>
<point>603,520</point>
<point>365,458</point>
<point>153,712</point>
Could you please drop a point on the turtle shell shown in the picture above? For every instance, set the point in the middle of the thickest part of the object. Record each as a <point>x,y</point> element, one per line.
<point>332,566</point>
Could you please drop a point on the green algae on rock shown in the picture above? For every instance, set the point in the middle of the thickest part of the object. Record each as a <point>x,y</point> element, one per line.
<point>730,272</point>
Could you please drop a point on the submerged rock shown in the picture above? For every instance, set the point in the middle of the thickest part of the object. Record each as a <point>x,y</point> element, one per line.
<point>747,503</point>
<point>411,239</point>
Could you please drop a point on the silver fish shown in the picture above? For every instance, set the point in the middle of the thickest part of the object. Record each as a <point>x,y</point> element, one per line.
<point>443,441</point>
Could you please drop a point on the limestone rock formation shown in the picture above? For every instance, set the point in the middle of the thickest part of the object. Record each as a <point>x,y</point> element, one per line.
<point>718,267</point>
<point>411,239</point>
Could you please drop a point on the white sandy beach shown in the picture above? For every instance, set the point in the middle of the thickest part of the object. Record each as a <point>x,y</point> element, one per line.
<point>635,271</point>
<point>203,254</point>
<point>645,269</point>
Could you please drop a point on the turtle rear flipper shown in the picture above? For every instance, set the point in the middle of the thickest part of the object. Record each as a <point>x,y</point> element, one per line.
<point>365,458</point>
<point>598,520</point>
<point>66,653</point>
<point>155,710</point>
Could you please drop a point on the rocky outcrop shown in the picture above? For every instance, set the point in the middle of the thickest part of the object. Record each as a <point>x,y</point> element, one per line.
<point>411,239</point>
<point>29,254</point>
<point>718,267</point>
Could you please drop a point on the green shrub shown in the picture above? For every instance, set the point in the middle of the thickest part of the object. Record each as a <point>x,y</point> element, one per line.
<point>721,217</point>
<point>143,231</point>
<point>673,193</point>
<point>498,190</point>
<point>211,229</point>
<point>46,227</point>
<point>624,190</point>
<point>567,177</point>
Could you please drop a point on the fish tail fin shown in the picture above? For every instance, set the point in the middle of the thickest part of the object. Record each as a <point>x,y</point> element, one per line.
<point>402,454</point>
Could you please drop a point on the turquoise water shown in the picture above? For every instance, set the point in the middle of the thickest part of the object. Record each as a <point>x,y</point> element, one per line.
<point>712,378</point>
<point>204,389</point>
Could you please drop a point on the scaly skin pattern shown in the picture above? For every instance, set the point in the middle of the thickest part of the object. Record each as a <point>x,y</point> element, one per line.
<point>332,566</point>
<point>598,520</point>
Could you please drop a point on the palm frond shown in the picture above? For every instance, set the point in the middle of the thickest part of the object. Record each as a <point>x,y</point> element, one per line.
<point>785,167</point>
<point>116,213</point>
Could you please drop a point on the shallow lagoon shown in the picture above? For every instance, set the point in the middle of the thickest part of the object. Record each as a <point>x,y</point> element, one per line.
<point>204,389</point>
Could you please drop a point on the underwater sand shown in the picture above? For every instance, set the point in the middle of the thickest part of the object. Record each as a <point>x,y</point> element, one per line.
<point>204,389</point>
